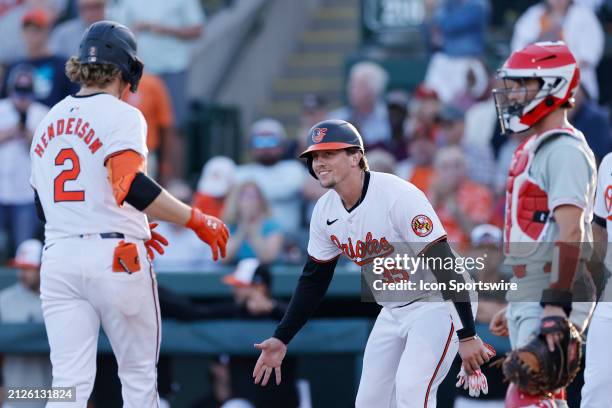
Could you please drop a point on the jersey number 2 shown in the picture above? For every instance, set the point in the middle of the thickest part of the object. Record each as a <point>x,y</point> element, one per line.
<point>59,194</point>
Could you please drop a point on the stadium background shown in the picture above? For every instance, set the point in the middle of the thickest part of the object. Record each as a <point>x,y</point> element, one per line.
<point>288,60</point>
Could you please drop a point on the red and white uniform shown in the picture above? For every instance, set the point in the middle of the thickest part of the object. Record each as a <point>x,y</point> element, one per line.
<point>598,370</point>
<point>548,170</point>
<point>80,293</point>
<point>529,209</point>
<point>411,347</point>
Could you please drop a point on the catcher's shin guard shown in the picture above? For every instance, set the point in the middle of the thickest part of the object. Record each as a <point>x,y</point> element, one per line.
<point>516,398</point>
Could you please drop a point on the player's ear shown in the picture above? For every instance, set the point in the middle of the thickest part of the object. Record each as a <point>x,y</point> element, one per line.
<point>357,158</point>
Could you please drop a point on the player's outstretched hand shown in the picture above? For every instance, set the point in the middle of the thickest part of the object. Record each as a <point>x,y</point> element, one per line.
<point>474,353</point>
<point>156,242</point>
<point>499,323</point>
<point>272,353</point>
<point>210,230</point>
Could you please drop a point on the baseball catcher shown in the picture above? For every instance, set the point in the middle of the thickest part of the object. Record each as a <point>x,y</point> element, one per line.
<point>549,201</point>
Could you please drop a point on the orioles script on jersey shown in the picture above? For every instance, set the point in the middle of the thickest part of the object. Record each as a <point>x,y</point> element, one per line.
<point>65,127</point>
<point>365,250</point>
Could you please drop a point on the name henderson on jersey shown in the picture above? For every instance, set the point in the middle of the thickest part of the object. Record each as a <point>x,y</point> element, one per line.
<point>453,285</point>
<point>69,127</point>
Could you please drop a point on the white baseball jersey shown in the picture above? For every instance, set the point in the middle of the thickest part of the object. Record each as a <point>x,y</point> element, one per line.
<point>598,371</point>
<point>392,214</point>
<point>68,155</point>
<point>603,209</point>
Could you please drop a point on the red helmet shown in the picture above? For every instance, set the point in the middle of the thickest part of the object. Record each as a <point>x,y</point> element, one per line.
<point>556,68</point>
<point>515,398</point>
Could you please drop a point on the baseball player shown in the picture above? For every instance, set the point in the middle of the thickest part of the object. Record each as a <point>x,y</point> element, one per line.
<point>598,370</point>
<point>365,214</point>
<point>549,200</point>
<point>88,159</point>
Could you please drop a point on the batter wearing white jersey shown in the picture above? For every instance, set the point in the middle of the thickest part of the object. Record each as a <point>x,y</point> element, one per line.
<point>364,216</point>
<point>88,159</point>
<point>598,370</point>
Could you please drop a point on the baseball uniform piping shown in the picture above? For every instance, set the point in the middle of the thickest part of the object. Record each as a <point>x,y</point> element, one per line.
<point>157,320</point>
<point>433,377</point>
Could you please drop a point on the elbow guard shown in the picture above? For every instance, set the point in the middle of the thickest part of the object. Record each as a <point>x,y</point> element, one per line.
<point>122,170</point>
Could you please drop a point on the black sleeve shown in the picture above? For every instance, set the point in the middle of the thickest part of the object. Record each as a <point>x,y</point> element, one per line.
<point>143,191</point>
<point>39,209</point>
<point>599,221</point>
<point>309,292</point>
<point>461,299</point>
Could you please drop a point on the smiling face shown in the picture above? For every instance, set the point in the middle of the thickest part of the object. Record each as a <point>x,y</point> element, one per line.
<point>333,166</point>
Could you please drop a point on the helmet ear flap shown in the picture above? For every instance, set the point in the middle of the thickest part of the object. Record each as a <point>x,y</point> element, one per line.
<point>549,101</point>
<point>136,69</point>
<point>309,161</point>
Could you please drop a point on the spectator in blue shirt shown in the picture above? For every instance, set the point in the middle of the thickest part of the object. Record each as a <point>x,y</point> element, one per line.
<point>454,32</point>
<point>456,27</point>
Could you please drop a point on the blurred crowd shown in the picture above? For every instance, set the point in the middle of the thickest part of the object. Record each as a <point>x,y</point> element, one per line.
<point>443,136</point>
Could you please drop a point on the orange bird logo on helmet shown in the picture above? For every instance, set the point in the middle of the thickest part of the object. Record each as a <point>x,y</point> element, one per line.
<point>318,134</point>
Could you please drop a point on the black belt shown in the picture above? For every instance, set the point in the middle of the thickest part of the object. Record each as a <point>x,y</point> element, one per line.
<point>108,235</point>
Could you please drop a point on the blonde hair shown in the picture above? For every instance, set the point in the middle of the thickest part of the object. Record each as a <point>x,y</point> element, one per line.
<point>363,162</point>
<point>98,75</point>
<point>230,211</point>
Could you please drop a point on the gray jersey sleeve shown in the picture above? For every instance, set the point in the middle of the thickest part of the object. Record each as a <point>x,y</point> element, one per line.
<point>565,171</point>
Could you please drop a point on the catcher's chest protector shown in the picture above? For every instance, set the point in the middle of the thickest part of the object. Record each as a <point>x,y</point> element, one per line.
<point>527,212</point>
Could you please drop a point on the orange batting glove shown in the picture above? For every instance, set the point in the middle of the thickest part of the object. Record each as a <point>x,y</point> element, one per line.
<point>156,242</point>
<point>210,230</point>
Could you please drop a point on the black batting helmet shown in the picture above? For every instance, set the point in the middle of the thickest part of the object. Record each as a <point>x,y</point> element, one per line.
<point>108,42</point>
<point>331,134</point>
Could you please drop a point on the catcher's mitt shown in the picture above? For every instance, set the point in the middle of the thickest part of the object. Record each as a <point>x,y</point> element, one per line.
<point>538,371</point>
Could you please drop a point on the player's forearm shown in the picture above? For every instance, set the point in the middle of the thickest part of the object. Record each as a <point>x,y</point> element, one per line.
<point>308,294</point>
<point>566,257</point>
<point>460,300</point>
<point>600,242</point>
<point>570,220</point>
<point>167,208</point>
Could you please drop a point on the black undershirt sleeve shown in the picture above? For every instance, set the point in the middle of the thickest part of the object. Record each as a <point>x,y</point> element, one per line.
<point>39,209</point>
<point>143,191</point>
<point>460,299</point>
<point>311,288</point>
<point>599,221</point>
